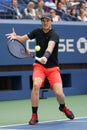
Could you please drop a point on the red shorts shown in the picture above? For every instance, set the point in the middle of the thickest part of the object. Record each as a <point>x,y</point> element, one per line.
<point>52,74</point>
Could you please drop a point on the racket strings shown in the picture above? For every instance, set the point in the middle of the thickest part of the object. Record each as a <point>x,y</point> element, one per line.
<point>18,50</point>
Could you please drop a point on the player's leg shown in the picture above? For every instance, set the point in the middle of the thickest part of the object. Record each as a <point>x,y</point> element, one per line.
<point>35,100</point>
<point>56,86</point>
<point>38,78</point>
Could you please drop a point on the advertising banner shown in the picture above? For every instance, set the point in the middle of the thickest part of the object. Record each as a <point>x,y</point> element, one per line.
<point>72,43</point>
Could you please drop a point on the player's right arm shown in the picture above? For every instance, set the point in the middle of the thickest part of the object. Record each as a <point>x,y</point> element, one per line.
<point>14,36</point>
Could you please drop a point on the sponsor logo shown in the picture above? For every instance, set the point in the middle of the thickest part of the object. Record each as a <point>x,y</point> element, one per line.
<point>66,45</point>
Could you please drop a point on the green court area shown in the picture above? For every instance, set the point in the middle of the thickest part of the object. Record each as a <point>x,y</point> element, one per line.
<point>19,111</point>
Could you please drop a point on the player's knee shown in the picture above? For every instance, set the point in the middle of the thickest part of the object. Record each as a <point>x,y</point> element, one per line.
<point>59,94</point>
<point>36,85</point>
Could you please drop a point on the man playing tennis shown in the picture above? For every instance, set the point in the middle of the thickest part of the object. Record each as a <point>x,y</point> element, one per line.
<point>48,39</point>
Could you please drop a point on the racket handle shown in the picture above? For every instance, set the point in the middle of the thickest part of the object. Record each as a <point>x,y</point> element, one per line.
<point>37,58</point>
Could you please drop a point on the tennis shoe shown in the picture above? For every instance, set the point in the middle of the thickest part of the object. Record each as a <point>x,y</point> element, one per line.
<point>69,114</point>
<point>34,119</point>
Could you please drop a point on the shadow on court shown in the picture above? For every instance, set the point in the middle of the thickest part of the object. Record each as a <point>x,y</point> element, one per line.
<point>76,124</point>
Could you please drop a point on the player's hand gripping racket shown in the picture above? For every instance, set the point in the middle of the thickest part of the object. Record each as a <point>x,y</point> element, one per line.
<point>18,50</point>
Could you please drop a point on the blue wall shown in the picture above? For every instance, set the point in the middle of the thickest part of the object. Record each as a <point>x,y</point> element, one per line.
<point>72,49</point>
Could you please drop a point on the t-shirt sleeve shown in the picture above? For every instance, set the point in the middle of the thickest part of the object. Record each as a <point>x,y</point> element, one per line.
<point>54,37</point>
<point>32,34</point>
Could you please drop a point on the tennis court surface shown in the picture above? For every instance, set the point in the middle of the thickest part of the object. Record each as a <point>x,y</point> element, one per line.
<point>76,124</point>
<point>16,114</point>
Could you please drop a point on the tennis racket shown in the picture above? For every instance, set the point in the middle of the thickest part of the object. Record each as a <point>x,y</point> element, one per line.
<point>18,50</point>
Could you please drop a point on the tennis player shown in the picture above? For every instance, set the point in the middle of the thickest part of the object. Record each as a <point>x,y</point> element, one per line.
<point>48,67</point>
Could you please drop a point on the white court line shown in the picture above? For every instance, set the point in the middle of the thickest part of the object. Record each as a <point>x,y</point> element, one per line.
<point>74,121</point>
<point>65,120</point>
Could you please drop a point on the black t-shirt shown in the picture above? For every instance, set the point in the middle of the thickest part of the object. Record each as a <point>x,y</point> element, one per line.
<point>42,40</point>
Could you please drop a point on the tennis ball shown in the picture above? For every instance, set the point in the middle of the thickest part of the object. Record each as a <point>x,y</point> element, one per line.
<point>37,48</point>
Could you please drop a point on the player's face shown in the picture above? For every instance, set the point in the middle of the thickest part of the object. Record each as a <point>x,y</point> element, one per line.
<point>46,24</point>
